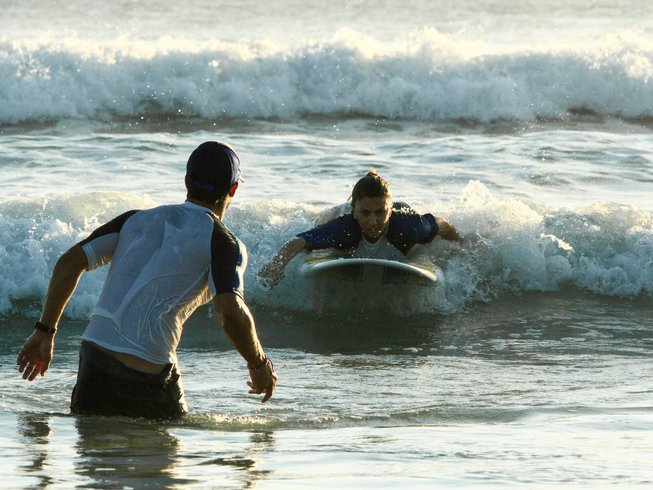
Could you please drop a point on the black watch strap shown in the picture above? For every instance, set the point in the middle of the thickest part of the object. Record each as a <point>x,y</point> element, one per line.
<point>44,328</point>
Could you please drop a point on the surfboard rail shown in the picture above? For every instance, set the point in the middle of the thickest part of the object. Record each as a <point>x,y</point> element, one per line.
<point>316,265</point>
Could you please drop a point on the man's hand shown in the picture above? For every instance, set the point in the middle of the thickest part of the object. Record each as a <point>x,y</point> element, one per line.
<point>263,380</point>
<point>35,356</point>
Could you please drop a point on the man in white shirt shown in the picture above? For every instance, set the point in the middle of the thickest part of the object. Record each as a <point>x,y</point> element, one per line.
<point>165,262</point>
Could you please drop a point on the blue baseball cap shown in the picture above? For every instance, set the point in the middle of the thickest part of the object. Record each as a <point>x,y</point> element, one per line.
<point>213,167</point>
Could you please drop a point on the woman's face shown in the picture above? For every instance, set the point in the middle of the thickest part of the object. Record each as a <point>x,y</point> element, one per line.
<point>373,216</point>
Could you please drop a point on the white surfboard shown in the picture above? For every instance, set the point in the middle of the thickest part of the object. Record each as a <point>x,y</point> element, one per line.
<point>381,271</point>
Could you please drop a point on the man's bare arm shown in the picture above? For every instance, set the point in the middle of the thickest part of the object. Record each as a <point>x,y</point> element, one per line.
<point>65,277</point>
<point>238,324</point>
<point>36,354</point>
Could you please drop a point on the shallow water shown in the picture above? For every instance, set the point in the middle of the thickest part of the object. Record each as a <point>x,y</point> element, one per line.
<point>527,125</point>
<point>369,401</point>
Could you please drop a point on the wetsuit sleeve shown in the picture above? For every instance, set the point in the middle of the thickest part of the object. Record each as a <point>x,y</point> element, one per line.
<point>407,229</point>
<point>101,244</point>
<point>228,262</point>
<point>340,233</point>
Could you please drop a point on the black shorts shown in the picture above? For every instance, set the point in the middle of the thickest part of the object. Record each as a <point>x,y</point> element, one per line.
<point>105,386</point>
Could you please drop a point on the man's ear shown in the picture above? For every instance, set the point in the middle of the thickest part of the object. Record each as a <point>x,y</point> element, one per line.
<point>232,191</point>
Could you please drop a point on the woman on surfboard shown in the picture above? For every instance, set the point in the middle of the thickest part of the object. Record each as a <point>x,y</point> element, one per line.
<point>375,228</point>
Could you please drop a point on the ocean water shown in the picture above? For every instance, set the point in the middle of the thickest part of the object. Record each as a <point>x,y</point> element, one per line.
<point>529,125</point>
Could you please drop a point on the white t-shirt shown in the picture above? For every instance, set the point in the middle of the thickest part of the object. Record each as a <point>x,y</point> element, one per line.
<point>165,262</point>
<point>381,249</point>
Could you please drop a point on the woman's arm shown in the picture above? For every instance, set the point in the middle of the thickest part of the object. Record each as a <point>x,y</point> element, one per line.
<point>273,271</point>
<point>446,230</point>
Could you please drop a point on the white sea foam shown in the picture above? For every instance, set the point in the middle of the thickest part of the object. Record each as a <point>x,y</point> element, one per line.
<point>423,76</point>
<point>35,232</point>
<point>510,246</point>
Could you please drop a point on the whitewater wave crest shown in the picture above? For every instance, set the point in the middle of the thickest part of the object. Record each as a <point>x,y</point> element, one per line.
<point>510,246</point>
<point>427,76</point>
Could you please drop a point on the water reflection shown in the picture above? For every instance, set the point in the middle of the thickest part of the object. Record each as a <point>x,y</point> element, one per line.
<point>116,452</point>
<point>35,431</point>
<point>226,459</point>
<point>122,452</point>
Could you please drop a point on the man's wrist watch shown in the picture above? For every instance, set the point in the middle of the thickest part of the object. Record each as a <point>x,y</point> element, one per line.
<point>44,328</point>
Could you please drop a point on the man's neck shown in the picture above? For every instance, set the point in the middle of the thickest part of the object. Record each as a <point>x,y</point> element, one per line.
<point>218,209</point>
